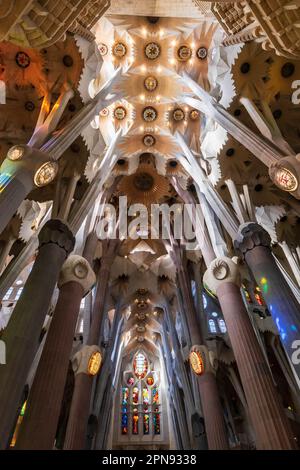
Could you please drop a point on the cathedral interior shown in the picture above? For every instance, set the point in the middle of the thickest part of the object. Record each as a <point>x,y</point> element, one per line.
<point>144,337</point>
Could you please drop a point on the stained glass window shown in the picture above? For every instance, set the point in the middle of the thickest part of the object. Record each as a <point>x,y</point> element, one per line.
<point>222,326</point>
<point>135,396</point>
<point>247,295</point>
<point>135,422</point>
<point>156,421</point>
<point>140,365</point>
<point>8,293</point>
<point>145,396</point>
<point>155,396</point>
<point>150,380</point>
<point>258,296</point>
<point>19,292</point>
<point>146,428</point>
<point>140,411</point>
<point>212,326</point>
<point>125,395</point>
<point>19,422</point>
<point>124,423</point>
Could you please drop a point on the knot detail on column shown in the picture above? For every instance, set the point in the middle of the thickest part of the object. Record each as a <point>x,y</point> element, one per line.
<point>87,361</point>
<point>77,269</point>
<point>249,236</point>
<point>202,360</point>
<point>55,231</point>
<point>221,270</point>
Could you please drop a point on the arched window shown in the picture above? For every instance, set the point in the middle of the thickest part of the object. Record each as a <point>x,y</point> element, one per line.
<point>140,399</point>
<point>8,294</point>
<point>222,325</point>
<point>204,299</point>
<point>212,326</point>
<point>19,292</point>
<point>140,365</point>
<point>246,294</point>
<point>258,297</point>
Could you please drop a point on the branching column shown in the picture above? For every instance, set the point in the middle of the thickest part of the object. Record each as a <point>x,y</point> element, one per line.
<point>39,426</point>
<point>24,328</point>
<point>267,414</point>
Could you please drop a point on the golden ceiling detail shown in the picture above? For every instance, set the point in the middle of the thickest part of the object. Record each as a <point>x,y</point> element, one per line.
<point>150,83</point>
<point>149,140</point>
<point>184,53</point>
<point>119,50</point>
<point>145,186</point>
<point>149,114</point>
<point>152,50</point>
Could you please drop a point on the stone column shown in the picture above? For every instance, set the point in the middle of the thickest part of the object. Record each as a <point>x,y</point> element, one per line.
<point>253,242</point>
<point>80,407</point>
<point>39,426</point>
<point>211,405</point>
<point>212,412</point>
<point>76,433</point>
<point>265,409</point>
<point>24,328</point>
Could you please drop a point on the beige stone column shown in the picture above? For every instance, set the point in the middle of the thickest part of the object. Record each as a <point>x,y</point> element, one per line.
<point>39,426</point>
<point>265,409</point>
<point>22,333</point>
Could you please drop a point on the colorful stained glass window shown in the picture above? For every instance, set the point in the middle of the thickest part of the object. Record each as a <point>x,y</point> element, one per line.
<point>156,421</point>
<point>146,428</point>
<point>130,381</point>
<point>125,395</point>
<point>140,365</point>
<point>155,396</point>
<point>258,296</point>
<point>124,423</point>
<point>19,422</point>
<point>150,380</point>
<point>247,295</point>
<point>135,396</point>
<point>145,396</point>
<point>135,422</point>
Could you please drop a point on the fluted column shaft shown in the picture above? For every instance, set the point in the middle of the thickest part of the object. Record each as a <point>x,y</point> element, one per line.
<point>24,328</point>
<point>212,412</point>
<point>39,426</point>
<point>210,400</point>
<point>266,411</point>
<point>80,407</point>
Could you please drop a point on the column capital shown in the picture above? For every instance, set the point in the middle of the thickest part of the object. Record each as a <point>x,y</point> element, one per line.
<point>87,361</point>
<point>55,231</point>
<point>202,360</point>
<point>221,270</point>
<point>249,236</point>
<point>77,269</point>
